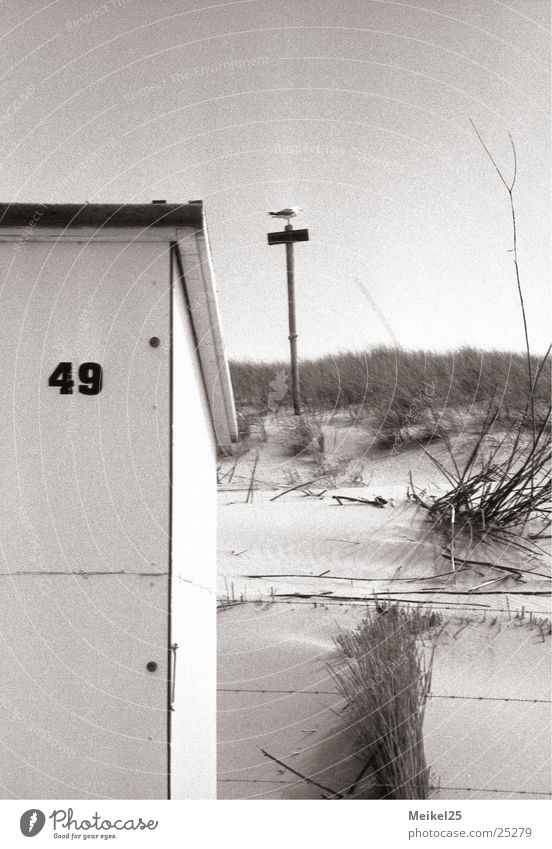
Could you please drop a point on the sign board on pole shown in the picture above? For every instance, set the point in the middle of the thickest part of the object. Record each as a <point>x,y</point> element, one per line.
<point>282,237</point>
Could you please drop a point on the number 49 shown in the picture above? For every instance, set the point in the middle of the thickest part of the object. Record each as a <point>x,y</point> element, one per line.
<point>90,376</point>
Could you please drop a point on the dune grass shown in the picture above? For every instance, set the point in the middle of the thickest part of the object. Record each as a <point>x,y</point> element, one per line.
<point>389,383</point>
<point>386,683</point>
<point>503,487</point>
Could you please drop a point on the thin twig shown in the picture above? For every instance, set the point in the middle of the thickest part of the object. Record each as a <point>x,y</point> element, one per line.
<point>452,521</point>
<point>510,189</point>
<point>251,490</point>
<point>359,778</point>
<point>297,486</point>
<point>515,570</point>
<point>304,777</point>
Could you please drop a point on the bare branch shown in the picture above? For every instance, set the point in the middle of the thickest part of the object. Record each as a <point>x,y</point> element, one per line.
<point>491,157</point>
<point>515,163</point>
<point>509,189</point>
<point>306,778</point>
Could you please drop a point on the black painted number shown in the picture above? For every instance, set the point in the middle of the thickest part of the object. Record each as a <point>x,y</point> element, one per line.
<point>62,376</point>
<point>90,377</point>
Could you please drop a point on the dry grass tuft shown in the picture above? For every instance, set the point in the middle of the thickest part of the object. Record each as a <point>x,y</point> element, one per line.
<point>505,483</point>
<point>302,435</point>
<point>386,683</point>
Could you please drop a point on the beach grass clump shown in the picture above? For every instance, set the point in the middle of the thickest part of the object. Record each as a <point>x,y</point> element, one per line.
<point>406,423</point>
<point>506,480</point>
<point>385,682</point>
<point>302,435</point>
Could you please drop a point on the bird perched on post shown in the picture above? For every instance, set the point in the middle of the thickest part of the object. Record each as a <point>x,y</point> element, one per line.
<point>289,212</point>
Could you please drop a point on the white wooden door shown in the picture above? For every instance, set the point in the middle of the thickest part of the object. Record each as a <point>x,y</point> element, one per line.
<point>85,491</point>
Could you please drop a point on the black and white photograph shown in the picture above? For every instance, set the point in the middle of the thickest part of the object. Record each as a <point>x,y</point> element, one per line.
<point>275,417</point>
<point>383,526</point>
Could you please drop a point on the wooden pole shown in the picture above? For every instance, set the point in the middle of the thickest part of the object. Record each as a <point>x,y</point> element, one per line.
<point>290,268</point>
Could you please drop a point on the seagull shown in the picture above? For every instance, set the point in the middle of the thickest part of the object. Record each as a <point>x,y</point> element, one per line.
<point>289,212</point>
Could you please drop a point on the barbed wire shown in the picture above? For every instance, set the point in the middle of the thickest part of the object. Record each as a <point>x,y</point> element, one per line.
<point>433,789</point>
<point>335,693</point>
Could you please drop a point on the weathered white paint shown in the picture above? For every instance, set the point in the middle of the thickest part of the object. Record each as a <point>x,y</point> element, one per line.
<point>84,488</point>
<point>80,716</point>
<point>203,304</point>
<point>194,574</point>
<point>85,507</point>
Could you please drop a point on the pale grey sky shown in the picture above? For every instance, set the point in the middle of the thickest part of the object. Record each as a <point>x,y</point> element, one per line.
<point>356,110</point>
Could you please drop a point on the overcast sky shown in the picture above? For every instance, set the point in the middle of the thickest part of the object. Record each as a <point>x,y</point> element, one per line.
<point>356,110</point>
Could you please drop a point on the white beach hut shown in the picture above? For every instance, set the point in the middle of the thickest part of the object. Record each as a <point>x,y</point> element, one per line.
<point>114,397</point>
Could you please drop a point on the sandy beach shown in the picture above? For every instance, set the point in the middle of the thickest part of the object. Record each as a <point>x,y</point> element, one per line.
<point>297,567</point>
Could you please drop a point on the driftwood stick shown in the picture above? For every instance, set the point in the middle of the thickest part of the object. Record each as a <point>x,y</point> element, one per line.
<point>372,502</point>
<point>251,490</point>
<point>453,529</point>
<point>297,486</point>
<point>303,777</point>
<point>384,579</point>
<point>513,569</point>
<point>487,583</point>
<point>347,541</point>
<point>351,790</point>
<point>329,596</point>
